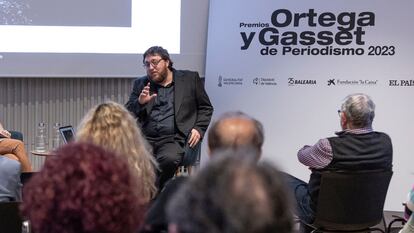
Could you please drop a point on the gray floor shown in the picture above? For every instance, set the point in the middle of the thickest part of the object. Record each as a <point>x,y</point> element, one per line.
<point>389,216</point>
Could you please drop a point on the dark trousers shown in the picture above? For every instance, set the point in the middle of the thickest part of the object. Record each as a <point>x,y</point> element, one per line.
<point>168,153</point>
<point>300,191</point>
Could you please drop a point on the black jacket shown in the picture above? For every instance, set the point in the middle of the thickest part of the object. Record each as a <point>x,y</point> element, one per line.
<point>192,107</point>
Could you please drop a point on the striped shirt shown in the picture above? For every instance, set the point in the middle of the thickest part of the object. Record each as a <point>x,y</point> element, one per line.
<point>320,155</point>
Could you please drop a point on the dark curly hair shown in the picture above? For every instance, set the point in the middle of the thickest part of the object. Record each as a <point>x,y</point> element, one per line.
<point>83,188</point>
<point>158,50</point>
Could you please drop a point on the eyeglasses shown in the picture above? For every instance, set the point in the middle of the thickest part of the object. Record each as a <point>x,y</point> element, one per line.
<point>153,63</point>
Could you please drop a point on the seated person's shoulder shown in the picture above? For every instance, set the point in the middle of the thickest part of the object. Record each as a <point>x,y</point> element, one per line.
<point>156,219</point>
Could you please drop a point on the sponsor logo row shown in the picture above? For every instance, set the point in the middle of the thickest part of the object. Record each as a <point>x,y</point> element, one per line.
<point>261,81</point>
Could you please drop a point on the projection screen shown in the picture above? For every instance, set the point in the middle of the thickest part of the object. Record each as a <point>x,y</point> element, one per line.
<point>92,38</point>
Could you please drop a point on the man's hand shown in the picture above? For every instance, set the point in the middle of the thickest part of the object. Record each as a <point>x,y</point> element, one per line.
<point>5,133</point>
<point>195,137</point>
<point>145,96</point>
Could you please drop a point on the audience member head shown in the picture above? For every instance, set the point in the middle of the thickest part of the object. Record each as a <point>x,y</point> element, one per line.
<point>357,111</point>
<point>160,51</point>
<point>111,126</point>
<point>235,130</point>
<point>233,193</point>
<point>84,188</point>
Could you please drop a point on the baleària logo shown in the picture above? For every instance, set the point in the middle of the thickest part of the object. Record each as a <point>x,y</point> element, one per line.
<point>292,81</point>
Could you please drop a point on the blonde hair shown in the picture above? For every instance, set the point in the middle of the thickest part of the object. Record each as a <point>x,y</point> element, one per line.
<point>112,127</point>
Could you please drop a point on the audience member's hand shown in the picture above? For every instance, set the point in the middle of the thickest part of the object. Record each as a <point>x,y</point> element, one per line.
<point>5,133</point>
<point>194,138</point>
<point>145,96</point>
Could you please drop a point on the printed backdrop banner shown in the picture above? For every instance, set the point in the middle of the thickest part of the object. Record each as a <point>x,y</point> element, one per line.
<point>291,63</point>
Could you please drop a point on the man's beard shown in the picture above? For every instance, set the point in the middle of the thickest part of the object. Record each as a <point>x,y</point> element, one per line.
<point>162,75</point>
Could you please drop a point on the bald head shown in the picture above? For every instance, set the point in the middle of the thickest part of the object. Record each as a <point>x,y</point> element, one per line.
<point>235,130</point>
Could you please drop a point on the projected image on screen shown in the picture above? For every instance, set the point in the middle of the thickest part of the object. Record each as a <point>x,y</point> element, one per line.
<point>14,12</point>
<point>70,13</point>
<point>84,38</point>
<point>89,26</point>
<point>66,13</point>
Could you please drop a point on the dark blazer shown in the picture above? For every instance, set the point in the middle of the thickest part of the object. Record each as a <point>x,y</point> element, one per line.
<point>192,106</point>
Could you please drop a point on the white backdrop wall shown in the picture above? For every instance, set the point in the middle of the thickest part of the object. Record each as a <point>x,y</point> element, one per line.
<point>296,96</point>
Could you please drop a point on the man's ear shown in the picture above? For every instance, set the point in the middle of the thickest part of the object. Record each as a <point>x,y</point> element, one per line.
<point>172,228</point>
<point>344,121</point>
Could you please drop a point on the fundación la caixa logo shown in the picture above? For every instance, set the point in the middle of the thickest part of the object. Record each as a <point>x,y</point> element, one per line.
<point>401,82</point>
<point>345,82</point>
